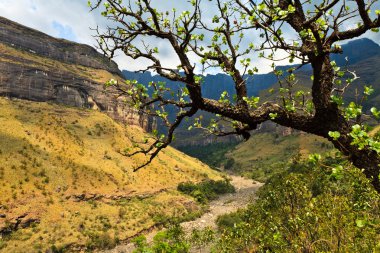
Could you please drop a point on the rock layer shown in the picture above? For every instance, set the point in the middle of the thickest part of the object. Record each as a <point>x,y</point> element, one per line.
<point>38,67</point>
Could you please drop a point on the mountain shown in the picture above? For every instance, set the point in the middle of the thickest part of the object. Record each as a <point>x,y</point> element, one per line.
<point>360,60</point>
<point>214,85</point>
<point>38,67</point>
<point>273,146</point>
<point>356,51</point>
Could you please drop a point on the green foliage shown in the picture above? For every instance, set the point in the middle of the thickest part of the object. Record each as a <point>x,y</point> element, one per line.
<point>206,190</point>
<point>211,154</point>
<point>229,220</point>
<point>169,241</point>
<point>362,139</point>
<point>141,244</point>
<point>308,208</point>
<point>202,238</point>
<point>55,249</point>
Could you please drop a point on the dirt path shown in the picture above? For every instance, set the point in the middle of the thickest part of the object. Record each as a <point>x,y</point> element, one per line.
<point>245,194</point>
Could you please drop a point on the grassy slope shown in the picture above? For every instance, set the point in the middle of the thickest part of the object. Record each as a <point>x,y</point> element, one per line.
<point>267,153</point>
<point>49,154</point>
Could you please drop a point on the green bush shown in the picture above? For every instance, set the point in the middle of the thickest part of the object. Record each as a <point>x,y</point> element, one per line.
<point>100,241</point>
<point>206,190</point>
<point>307,209</point>
<point>187,187</point>
<point>229,220</point>
<point>169,241</point>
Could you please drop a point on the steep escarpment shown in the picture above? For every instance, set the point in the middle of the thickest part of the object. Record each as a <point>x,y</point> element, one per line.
<point>38,67</point>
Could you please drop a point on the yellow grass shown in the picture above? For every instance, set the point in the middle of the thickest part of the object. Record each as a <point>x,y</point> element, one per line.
<point>50,153</point>
<point>266,153</point>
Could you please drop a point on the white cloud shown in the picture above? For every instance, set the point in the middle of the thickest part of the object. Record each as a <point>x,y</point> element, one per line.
<point>42,14</point>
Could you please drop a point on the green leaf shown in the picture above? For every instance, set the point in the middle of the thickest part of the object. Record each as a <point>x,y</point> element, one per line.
<point>337,100</point>
<point>334,134</point>
<point>360,223</point>
<point>273,116</point>
<point>337,172</point>
<point>368,90</point>
<point>375,112</point>
<point>314,158</point>
<point>291,9</point>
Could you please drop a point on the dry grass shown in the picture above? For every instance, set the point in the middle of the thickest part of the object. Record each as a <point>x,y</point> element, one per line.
<point>265,153</point>
<point>49,153</point>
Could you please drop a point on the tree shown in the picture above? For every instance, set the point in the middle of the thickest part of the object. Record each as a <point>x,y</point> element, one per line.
<point>313,30</point>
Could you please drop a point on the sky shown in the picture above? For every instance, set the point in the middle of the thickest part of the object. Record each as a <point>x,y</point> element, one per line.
<point>72,20</point>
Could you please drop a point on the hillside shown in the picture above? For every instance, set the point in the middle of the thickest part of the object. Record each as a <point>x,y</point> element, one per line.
<point>64,182</point>
<point>266,154</point>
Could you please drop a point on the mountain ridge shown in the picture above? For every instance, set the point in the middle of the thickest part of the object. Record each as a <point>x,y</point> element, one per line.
<point>257,85</point>
<point>259,82</point>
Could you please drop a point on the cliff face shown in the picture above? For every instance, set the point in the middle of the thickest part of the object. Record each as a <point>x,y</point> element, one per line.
<point>38,67</point>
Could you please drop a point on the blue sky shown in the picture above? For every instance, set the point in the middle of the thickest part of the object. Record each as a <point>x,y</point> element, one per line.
<point>64,31</point>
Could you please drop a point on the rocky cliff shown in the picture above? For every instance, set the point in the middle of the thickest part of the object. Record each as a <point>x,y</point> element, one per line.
<point>38,67</point>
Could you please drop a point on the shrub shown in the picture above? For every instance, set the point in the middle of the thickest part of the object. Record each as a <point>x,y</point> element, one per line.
<point>206,190</point>
<point>169,241</point>
<point>307,209</point>
<point>229,220</point>
<point>100,241</point>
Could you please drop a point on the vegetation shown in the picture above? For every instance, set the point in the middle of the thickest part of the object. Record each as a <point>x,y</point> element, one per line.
<point>212,154</point>
<point>169,241</point>
<point>263,155</point>
<point>223,44</point>
<point>313,206</point>
<point>78,189</point>
<point>321,207</point>
<point>266,154</point>
<point>206,190</point>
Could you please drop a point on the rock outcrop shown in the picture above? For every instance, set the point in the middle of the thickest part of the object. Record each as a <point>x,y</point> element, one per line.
<point>38,67</point>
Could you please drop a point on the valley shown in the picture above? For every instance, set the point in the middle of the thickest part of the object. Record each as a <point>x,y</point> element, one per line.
<point>225,204</point>
<point>95,157</point>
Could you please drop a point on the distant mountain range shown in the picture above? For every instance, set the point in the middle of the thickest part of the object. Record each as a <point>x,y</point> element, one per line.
<point>361,55</point>
<point>355,51</point>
